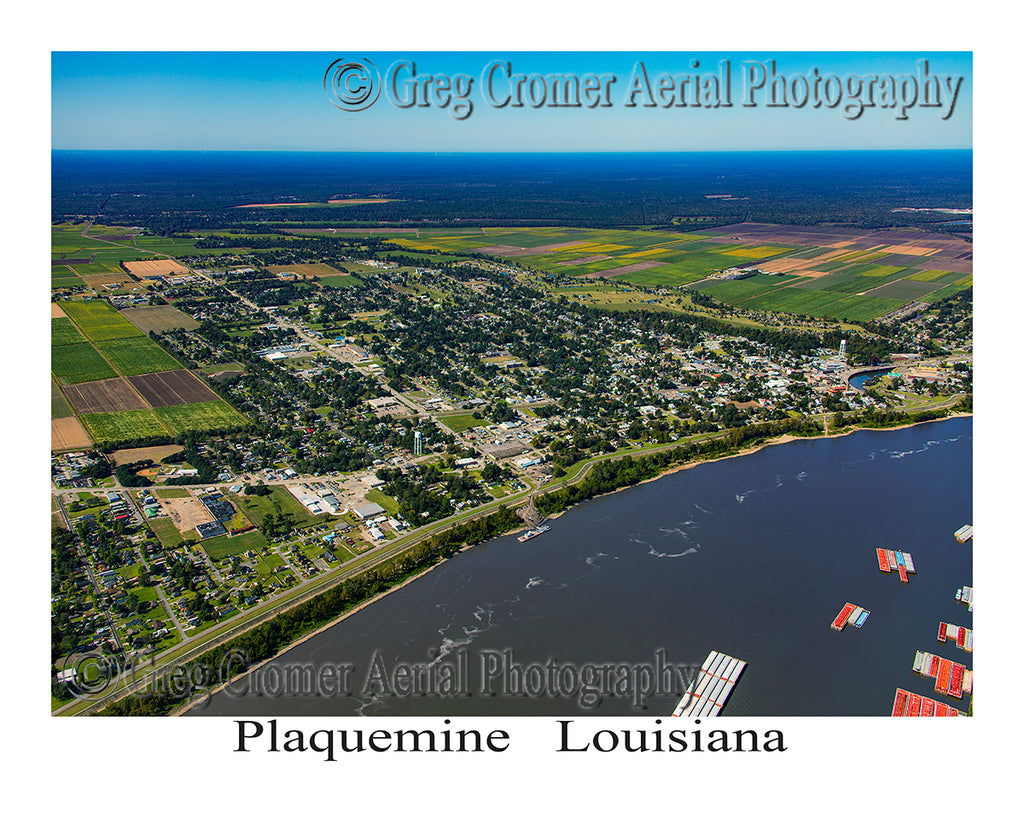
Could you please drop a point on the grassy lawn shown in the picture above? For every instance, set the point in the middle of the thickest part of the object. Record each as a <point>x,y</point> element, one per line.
<point>389,503</point>
<point>460,423</point>
<point>226,546</point>
<point>171,492</point>
<point>279,500</point>
<point>267,566</point>
<point>166,532</point>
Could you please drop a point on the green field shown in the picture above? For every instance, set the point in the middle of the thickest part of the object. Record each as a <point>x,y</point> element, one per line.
<point>122,426</point>
<point>63,331</point>
<point>389,503</point>
<point>202,416</point>
<point>172,492</point>
<point>78,363</point>
<point>340,281</point>
<point>99,321</point>
<point>794,300</point>
<point>59,406</point>
<point>225,545</point>
<point>279,499</point>
<point>166,532</point>
<point>736,290</point>
<point>874,270</point>
<point>460,423</point>
<point>942,293</point>
<point>931,276</point>
<point>905,290</point>
<point>137,356</point>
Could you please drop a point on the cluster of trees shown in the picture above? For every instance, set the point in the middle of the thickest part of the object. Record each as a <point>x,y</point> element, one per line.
<point>277,525</point>
<point>605,476</point>
<point>206,472</point>
<point>127,474</point>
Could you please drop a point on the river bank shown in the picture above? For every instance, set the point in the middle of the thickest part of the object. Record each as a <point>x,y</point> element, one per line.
<point>745,451</point>
<point>751,556</point>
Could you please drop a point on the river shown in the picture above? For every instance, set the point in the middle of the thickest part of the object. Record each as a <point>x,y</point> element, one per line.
<point>752,556</point>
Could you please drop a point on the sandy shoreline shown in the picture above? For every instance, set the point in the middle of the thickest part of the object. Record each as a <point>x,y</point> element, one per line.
<point>782,439</point>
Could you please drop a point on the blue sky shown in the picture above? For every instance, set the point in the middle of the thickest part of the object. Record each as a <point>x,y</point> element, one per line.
<point>276,101</point>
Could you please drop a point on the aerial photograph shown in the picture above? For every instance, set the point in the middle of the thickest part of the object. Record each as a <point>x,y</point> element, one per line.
<point>504,384</point>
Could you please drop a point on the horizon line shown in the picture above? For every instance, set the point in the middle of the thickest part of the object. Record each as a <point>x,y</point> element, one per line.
<point>461,152</point>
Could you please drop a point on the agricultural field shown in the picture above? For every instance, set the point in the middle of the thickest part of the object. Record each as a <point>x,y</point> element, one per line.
<point>99,321</point>
<point>171,388</point>
<point>112,377</point>
<point>340,281</point>
<point>63,331</point>
<point>97,256</point>
<point>159,319</point>
<point>120,426</point>
<point>77,363</point>
<point>137,356</point>
<point>108,395</point>
<point>817,271</point>
<point>647,258</point>
<point>59,406</point>
<point>68,433</point>
<point>147,453</point>
<point>197,417</point>
<point>156,267</point>
<point>305,271</point>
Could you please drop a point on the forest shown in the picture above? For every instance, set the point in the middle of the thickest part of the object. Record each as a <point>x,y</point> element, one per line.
<point>172,191</point>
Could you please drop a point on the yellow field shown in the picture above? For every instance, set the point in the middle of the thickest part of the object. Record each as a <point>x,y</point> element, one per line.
<point>608,248</point>
<point>640,253</point>
<point>754,252</point>
<point>927,275</point>
<point>415,244</point>
<point>156,267</point>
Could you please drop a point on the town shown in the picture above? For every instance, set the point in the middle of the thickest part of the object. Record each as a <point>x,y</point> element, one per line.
<point>377,396</point>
